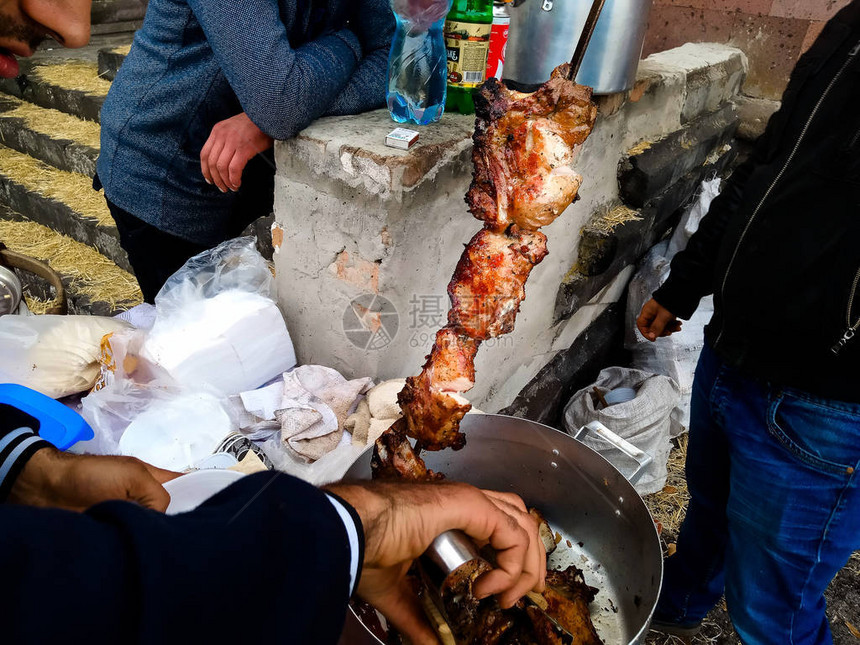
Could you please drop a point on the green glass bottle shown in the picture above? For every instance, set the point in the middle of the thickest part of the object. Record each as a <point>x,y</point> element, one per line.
<point>467,41</point>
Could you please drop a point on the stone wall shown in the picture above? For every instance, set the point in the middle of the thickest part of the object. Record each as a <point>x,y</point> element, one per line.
<point>367,237</point>
<point>772,33</point>
<point>117,16</point>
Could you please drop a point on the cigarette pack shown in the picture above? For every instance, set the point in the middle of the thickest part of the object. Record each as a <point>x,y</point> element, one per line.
<point>401,138</point>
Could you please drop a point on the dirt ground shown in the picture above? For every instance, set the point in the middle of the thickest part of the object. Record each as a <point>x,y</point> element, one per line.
<point>843,595</point>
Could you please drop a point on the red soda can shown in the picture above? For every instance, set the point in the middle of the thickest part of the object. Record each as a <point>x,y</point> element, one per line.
<point>498,40</point>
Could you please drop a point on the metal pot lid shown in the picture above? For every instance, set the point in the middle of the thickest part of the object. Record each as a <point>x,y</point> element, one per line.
<point>10,291</point>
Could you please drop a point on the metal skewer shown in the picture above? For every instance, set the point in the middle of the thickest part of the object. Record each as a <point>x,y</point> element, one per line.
<point>585,38</point>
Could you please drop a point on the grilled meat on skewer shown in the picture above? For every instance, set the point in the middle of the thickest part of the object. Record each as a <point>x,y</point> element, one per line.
<point>473,621</point>
<point>524,145</point>
<point>430,405</point>
<point>486,291</point>
<point>489,281</point>
<point>433,416</point>
<point>394,458</point>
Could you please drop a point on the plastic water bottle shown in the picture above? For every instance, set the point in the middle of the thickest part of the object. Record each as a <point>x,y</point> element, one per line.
<point>417,64</point>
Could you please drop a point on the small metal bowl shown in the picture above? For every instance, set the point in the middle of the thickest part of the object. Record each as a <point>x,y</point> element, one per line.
<point>10,291</point>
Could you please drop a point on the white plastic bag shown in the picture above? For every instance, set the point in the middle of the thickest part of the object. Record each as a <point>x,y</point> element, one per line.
<point>421,13</point>
<point>689,223</point>
<point>644,421</point>
<point>675,356</point>
<point>56,355</point>
<point>165,426</point>
<point>177,432</point>
<point>216,324</point>
<point>111,409</point>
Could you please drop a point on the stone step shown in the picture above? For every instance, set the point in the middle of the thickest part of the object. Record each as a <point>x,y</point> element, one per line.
<point>111,59</point>
<point>114,11</point>
<point>70,86</point>
<point>63,201</point>
<point>54,137</point>
<point>126,28</point>
<point>94,285</point>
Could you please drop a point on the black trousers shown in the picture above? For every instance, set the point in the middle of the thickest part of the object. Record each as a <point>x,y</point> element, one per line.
<point>154,255</point>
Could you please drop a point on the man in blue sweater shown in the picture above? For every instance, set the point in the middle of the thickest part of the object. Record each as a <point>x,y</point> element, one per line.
<point>188,125</point>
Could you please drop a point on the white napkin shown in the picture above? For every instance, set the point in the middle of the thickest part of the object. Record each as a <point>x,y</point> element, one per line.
<point>316,403</point>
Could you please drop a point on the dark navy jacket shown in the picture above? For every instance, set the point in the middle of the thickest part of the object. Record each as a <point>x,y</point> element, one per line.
<point>197,62</point>
<point>267,560</point>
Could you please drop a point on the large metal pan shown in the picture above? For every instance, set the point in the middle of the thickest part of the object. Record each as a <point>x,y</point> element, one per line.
<point>606,529</point>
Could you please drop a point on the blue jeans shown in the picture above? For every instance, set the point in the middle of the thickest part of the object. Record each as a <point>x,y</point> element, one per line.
<point>774,512</point>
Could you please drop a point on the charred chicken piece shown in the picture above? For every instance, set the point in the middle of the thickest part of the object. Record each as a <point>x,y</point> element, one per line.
<point>524,146</point>
<point>547,537</point>
<point>430,405</point>
<point>394,458</point>
<point>489,281</point>
<point>473,621</point>
<point>567,598</point>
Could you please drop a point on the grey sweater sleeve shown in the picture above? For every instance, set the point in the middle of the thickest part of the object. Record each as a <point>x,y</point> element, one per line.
<point>374,26</point>
<point>281,89</point>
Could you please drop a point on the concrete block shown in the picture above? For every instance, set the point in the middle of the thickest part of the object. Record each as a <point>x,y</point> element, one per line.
<point>110,59</point>
<point>713,72</point>
<point>605,253</point>
<point>772,43</point>
<point>109,11</point>
<point>654,166</point>
<point>672,26</point>
<point>352,150</point>
<point>117,29</point>
<point>63,219</point>
<point>663,209</point>
<point>544,397</point>
<point>34,86</point>
<point>78,301</point>
<point>753,115</point>
<point>605,250</point>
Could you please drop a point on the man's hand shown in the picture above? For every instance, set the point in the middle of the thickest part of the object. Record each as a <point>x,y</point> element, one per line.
<point>655,321</point>
<point>77,482</point>
<point>401,520</point>
<point>230,146</point>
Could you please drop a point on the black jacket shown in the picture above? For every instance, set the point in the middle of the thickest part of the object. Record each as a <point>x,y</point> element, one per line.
<point>266,560</point>
<point>780,247</point>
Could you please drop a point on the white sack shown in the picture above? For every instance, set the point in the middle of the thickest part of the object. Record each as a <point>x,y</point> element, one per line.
<point>645,421</point>
<point>56,355</point>
<point>675,356</point>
